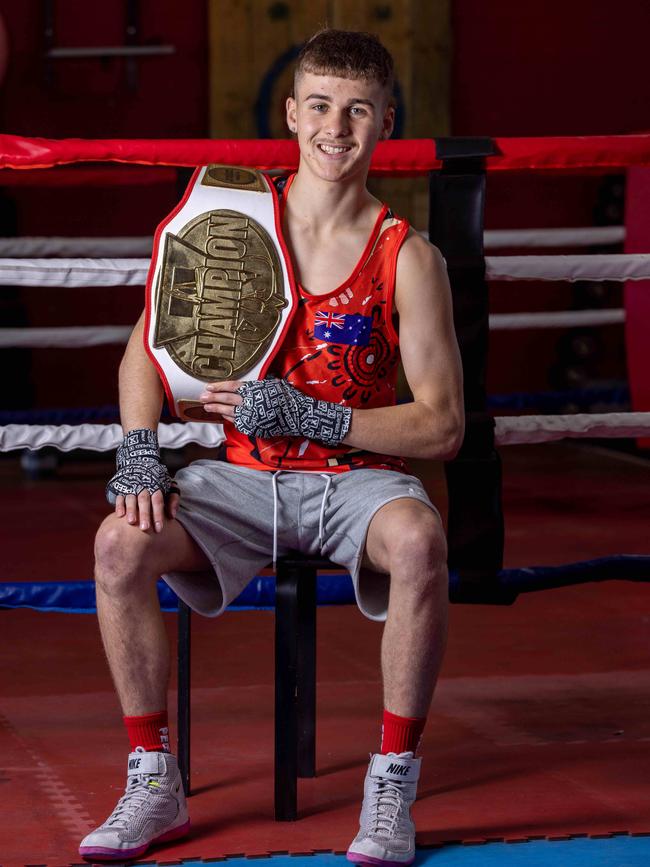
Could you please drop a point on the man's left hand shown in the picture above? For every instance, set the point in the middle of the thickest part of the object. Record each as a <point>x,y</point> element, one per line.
<point>221,398</point>
<point>273,407</point>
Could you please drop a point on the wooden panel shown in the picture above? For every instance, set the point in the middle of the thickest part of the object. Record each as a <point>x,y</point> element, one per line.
<point>429,96</point>
<point>417,33</point>
<point>251,67</point>
<point>230,79</point>
<point>250,43</point>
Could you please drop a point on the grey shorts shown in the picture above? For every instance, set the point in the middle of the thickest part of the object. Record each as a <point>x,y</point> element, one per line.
<point>238,515</point>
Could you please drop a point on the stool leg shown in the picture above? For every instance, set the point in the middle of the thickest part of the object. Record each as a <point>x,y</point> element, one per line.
<point>307,672</point>
<point>286,670</point>
<point>184,657</point>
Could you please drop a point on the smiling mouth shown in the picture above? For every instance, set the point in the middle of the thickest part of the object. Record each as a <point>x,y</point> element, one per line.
<point>334,149</point>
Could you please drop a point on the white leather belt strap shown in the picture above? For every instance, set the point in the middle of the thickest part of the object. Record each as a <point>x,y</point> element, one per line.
<point>220,291</point>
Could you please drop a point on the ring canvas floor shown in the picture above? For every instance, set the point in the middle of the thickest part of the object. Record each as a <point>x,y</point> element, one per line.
<point>539,729</point>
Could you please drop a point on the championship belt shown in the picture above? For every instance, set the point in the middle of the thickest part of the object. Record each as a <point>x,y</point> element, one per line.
<point>220,290</point>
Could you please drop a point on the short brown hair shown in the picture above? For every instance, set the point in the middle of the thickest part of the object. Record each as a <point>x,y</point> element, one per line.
<point>347,54</point>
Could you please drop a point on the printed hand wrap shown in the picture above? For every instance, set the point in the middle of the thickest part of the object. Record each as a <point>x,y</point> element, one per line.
<point>274,408</point>
<point>138,467</point>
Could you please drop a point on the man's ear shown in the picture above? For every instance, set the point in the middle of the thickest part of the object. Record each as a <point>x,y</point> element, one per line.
<point>291,114</point>
<point>388,122</point>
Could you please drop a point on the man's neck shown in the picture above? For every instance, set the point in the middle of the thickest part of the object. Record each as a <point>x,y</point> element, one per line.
<point>324,204</point>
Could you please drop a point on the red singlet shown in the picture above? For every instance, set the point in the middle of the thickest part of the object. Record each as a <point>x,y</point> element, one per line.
<point>341,347</point>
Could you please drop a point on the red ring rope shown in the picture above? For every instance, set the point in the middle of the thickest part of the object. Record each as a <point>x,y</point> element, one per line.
<point>412,156</point>
<point>407,157</point>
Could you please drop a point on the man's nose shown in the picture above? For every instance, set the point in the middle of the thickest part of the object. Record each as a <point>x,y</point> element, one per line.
<point>338,123</point>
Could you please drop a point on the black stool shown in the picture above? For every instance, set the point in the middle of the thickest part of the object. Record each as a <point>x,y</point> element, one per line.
<point>295,681</point>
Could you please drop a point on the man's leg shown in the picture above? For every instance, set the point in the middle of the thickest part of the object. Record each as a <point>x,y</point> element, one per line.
<point>128,564</point>
<point>406,540</point>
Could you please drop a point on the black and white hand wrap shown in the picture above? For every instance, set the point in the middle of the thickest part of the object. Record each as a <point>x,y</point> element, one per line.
<point>139,467</point>
<point>274,408</point>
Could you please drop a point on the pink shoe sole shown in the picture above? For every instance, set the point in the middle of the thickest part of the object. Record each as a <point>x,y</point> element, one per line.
<point>358,858</point>
<point>104,854</point>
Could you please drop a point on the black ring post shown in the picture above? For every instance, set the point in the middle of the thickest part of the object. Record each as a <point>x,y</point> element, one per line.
<point>306,674</point>
<point>475,523</point>
<point>286,691</point>
<point>184,691</point>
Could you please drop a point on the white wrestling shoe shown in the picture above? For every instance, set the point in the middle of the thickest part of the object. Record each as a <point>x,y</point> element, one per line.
<point>387,833</point>
<point>151,810</point>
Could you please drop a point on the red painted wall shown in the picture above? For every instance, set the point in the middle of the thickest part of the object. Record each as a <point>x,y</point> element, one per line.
<point>575,67</point>
<point>91,98</point>
<point>518,68</point>
<point>637,293</point>
<point>555,68</point>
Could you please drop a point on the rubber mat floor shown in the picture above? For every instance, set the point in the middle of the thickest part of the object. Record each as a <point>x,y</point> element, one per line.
<point>539,729</point>
<point>622,851</point>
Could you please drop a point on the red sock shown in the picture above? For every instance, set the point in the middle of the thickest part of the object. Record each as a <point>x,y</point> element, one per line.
<point>150,731</point>
<point>400,734</point>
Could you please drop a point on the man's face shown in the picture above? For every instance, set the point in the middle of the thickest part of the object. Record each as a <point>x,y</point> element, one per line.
<point>338,122</point>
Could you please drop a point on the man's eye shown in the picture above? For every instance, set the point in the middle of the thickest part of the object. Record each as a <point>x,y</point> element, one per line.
<point>319,107</point>
<point>357,110</point>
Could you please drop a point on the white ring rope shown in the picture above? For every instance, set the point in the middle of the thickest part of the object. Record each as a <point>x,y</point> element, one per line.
<point>589,236</point>
<point>35,247</point>
<point>133,272</point>
<point>510,430</point>
<point>556,319</point>
<point>102,437</point>
<point>601,267</point>
<point>73,273</point>
<point>76,336</point>
<point>493,239</point>
<point>68,337</point>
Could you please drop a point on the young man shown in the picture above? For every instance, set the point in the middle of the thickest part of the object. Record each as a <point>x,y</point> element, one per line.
<point>323,473</point>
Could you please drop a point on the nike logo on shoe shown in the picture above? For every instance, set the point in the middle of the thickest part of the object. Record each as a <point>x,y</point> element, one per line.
<point>402,770</point>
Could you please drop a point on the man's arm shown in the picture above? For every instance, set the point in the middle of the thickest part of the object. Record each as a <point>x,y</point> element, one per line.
<point>432,425</point>
<point>141,391</point>
<point>141,397</point>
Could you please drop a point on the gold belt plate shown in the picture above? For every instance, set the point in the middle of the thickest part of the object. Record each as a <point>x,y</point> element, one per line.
<point>219,296</point>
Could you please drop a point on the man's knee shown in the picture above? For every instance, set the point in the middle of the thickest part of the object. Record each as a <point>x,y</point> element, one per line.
<point>121,555</point>
<point>417,553</point>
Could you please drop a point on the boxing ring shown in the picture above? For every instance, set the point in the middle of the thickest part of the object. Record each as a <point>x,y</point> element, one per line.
<point>457,174</point>
<point>457,169</point>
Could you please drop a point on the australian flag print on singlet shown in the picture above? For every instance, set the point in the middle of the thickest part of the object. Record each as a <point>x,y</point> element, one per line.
<point>353,330</point>
<point>340,346</point>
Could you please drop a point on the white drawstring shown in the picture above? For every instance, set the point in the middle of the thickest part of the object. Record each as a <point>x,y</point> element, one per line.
<point>321,518</point>
<point>274,483</point>
<point>276,500</point>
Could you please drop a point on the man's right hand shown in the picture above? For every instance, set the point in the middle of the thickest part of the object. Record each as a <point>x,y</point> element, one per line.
<point>142,483</point>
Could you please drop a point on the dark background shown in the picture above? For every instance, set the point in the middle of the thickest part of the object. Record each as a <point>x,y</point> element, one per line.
<point>516,69</point>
